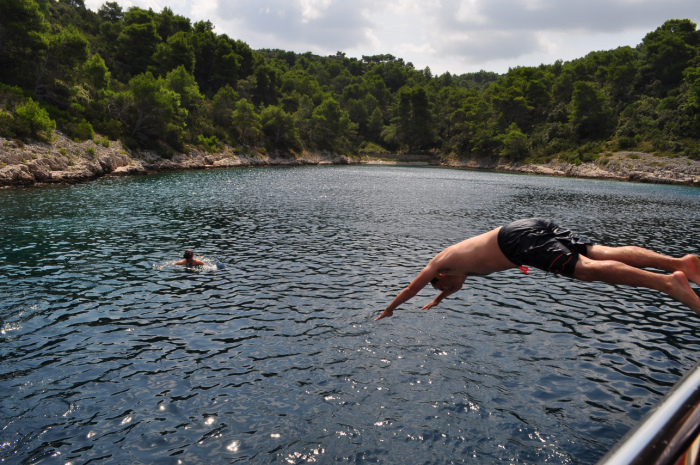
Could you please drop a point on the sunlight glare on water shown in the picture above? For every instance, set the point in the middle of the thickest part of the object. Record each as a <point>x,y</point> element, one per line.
<point>111,354</point>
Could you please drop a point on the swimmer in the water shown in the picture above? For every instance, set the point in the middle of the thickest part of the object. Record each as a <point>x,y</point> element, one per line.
<point>189,260</point>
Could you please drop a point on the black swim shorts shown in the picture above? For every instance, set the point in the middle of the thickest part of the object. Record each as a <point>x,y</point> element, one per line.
<point>540,243</point>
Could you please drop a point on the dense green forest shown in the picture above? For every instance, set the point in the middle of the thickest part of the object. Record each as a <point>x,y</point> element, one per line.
<point>157,81</point>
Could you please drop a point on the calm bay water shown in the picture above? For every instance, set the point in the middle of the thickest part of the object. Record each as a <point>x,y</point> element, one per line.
<point>109,354</point>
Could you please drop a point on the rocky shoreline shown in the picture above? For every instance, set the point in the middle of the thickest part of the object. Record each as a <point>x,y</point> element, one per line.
<point>64,161</point>
<point>618,166</point>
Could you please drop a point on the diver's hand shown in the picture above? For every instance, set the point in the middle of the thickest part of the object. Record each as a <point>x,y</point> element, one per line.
<point>431,305</point>
<point>387,313</point>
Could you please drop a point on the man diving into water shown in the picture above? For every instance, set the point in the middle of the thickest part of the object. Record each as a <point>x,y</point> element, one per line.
<point>542,244</point>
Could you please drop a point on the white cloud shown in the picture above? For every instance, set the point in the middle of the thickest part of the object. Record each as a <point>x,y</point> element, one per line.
<point>456,35</point>
<point>318,26</point>
<point>470,12</point>
<point>410,49</point>
<point>313,9</point>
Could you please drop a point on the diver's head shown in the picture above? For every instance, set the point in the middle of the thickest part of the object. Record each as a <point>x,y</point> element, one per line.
<point>188,254</point>
<point>443,282</point>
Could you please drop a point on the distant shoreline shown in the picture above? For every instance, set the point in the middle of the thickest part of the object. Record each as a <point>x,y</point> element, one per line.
<point>618,166</point>
<point>65,161</point>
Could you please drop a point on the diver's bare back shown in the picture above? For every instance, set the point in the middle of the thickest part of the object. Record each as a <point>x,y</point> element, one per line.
<point>478,255</point>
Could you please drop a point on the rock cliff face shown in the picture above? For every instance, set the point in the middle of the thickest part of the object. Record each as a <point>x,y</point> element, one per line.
<point>62,161</point>
<point>66,161</point>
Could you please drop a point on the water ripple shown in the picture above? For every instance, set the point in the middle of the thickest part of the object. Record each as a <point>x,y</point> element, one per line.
<point>109,353</point>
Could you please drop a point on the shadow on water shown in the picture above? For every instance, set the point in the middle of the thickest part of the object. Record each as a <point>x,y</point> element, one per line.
<point>111,354</point>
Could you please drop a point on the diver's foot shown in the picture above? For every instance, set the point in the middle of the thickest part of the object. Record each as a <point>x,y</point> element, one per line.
<point>692,268</point>
<point>681,290</point>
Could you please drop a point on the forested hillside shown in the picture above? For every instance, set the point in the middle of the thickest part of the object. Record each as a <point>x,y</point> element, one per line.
<point>155,80</point>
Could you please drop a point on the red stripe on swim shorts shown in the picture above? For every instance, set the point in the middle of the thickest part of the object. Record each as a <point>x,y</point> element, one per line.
<point>562,267</point>
<point>555,260</point>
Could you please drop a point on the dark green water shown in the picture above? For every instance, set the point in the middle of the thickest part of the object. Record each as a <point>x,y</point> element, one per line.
<point>109,354</point>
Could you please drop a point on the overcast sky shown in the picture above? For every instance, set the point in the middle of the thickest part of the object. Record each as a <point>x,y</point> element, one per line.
<point>459,36</point>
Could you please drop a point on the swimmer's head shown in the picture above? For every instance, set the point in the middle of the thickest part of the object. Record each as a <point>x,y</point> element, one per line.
<point>188,254</point>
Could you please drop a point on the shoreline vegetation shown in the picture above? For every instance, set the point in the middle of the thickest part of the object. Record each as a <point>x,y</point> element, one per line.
<point>86,93</point>
<point>65,161</point>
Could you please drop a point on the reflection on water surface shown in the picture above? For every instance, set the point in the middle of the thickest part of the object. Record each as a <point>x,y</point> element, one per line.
<point>110,354</point>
